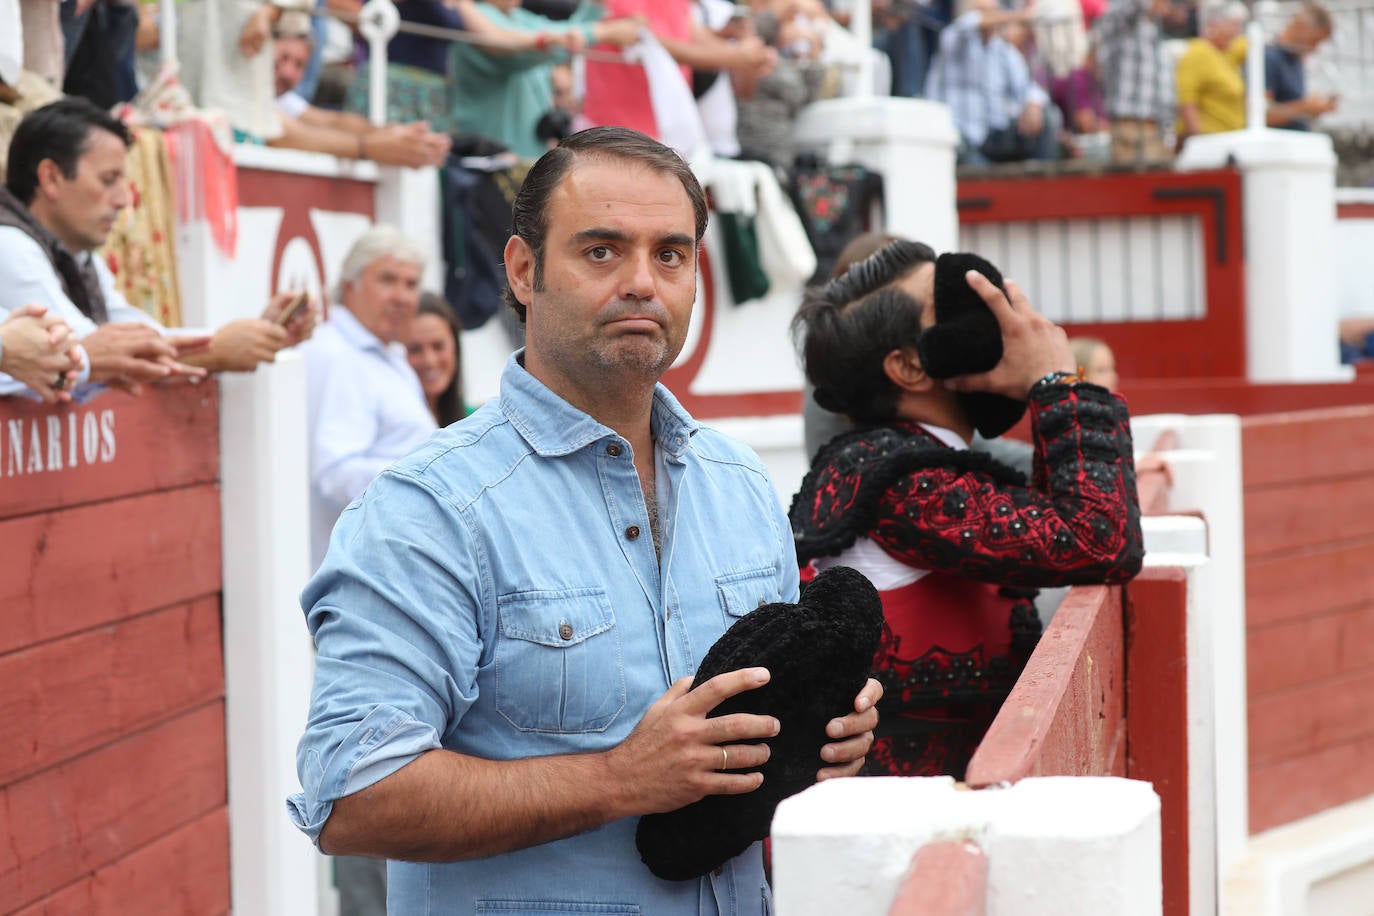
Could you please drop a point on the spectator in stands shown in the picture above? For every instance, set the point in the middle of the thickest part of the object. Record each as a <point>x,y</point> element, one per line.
<point>417,65</point>
<point>344,134</point>
<point>1285,81</point>
<point>953,541</point>
<point>503,95</point>
<point>65,184</point>
<point>1211,90</point>
<point>1137,79</point>
<point>618,93</point>
<point>1096,361</point>
<point>1078,95</point>
<point>769,104</point>
<point>909,33</point>
<point>38,350</point>
<point>226,60</point>
<point>1001,113</point>
<point>366,405</point>
<point>435,351</point>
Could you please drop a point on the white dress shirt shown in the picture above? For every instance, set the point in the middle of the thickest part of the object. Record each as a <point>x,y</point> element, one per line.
<point>366,410</point>
<point>26,275</point>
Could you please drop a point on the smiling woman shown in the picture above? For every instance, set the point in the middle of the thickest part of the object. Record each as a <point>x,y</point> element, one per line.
<point>435,354</point>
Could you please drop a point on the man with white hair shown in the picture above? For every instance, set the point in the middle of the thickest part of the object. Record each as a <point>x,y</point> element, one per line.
<point>1211,90</point>
<point>365,404</point>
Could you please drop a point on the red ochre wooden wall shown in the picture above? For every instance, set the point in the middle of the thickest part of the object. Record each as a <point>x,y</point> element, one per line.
<point>112,771</point>
<point>1309,570</point>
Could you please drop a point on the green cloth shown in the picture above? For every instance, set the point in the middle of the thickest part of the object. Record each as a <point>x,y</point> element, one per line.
<point>740,239</point>
<point>412,94</point>
<point>503,96</point>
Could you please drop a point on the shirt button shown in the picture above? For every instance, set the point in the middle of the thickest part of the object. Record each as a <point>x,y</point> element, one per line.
<point>613,450</point>
<point>632,532</point>
<point>565,630</point>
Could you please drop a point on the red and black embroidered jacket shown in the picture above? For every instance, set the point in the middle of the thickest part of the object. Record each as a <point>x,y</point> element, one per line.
<point>969,518</point>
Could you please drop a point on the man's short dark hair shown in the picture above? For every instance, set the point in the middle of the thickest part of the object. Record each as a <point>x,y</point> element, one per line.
<point>60,131</point>
<point>845,328</point>
<point>530,211</point>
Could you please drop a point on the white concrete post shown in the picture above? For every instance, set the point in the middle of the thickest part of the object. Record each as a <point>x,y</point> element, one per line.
<point>268,658</point>
<point>1207,476</point>
<point>1289,217</point>
<point>1063,846</point>
<point>409,200</point>
<point>910,142</point>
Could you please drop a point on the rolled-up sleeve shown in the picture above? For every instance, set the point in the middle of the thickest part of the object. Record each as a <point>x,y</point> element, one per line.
<point>395,613</point>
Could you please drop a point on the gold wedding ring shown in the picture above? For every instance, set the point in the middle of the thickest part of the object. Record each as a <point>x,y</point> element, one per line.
<point>724,759</point>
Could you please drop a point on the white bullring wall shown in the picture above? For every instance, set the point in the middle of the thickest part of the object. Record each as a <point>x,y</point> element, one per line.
<point>1056,846</point>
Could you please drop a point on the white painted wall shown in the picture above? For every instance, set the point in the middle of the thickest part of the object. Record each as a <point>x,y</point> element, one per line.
<point>1354,240</point>
<point>1062,846</point>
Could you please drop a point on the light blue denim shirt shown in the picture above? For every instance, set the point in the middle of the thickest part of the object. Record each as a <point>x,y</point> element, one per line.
<point>497,593</point>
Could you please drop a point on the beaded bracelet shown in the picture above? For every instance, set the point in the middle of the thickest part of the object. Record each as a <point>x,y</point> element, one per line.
<point>1058,377</point>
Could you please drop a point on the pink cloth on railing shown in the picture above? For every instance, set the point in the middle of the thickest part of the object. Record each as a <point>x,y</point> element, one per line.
<point>207,185</point>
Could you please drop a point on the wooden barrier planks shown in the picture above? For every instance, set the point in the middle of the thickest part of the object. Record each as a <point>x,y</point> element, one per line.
<point>1065,717</point>
<point>1157,712</point>
<point>72,695</point>
<point>62,824</point>
<point>116,445</point>
<point>113,778</point>
<point>96,564</point>
<point>185,873</point>
<point>1292,654</point>
<point>1309,498</point>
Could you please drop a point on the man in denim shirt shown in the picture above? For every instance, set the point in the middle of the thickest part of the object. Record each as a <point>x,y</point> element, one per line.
<point>508,620</point>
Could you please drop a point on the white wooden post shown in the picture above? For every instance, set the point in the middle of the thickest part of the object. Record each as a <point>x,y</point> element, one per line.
<point>268,658</point>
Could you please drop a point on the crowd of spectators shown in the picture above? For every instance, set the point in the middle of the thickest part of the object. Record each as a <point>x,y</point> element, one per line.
<point>1047,80</point>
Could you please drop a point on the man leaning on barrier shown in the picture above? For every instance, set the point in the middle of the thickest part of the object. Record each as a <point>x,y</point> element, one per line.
<point>64,187</point>
<point>508,620</point>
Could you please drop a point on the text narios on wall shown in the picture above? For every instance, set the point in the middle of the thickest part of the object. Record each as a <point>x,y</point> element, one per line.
<point>53,443</point>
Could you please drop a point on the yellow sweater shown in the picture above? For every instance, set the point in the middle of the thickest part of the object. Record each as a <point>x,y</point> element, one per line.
<point>1211,79</point>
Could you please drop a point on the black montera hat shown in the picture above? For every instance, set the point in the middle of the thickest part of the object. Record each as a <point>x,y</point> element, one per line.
<point>967,339</point>
<point>819,653</point>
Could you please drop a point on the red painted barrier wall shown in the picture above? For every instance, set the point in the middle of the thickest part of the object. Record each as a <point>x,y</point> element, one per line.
<point>1105,694</point>
<point>112,774</point>
<point>1309,570</point>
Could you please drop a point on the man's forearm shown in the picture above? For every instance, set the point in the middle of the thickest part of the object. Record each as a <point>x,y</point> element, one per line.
<point>348,121</point>
<point>446,807</point>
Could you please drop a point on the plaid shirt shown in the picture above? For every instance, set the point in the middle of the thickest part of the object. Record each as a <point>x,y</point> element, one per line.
<point>1137,81</point>
<point>985,84</point>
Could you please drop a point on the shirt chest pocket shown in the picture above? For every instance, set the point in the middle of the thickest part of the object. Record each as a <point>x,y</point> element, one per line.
<point>558,665</point>
<point>742,592</point>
